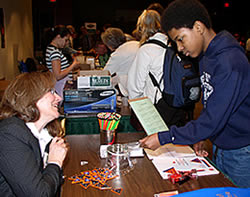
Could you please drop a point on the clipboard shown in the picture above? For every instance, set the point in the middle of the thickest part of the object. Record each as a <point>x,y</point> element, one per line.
<point>148,115</point>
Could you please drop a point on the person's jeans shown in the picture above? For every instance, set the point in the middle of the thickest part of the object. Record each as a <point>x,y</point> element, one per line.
<point>235,164</point>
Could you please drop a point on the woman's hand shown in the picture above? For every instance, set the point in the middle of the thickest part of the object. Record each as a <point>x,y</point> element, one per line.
<point>151,142</point>
<point>57,151</point>
<point>75,64</point>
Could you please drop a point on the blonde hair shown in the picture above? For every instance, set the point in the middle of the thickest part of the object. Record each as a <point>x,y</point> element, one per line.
<point>148,23</point>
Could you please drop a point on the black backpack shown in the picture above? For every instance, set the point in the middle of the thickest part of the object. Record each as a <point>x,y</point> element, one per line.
<point>181,82</point>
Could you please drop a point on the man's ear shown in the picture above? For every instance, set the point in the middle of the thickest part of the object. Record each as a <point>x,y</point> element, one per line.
<point>199,27</point>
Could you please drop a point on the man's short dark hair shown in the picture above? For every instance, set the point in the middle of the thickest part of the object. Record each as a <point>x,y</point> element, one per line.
<point>184,13</point>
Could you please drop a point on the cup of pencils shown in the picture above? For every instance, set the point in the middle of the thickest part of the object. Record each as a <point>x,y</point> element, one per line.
<point>108,122</point>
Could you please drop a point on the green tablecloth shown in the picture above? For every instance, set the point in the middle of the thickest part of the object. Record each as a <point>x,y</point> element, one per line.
<point>89,125</point>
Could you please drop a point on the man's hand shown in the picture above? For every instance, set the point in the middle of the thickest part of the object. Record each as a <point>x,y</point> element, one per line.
<point>151,142</point>
<point>199,149</point>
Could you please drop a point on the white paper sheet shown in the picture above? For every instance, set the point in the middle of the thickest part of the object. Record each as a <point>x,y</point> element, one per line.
<point>171,150</point>
<point>184,164</point>
<point>181,158</point>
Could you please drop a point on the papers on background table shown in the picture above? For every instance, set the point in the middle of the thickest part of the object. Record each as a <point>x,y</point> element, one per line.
<point>148,115</point>
<point>180,157</point>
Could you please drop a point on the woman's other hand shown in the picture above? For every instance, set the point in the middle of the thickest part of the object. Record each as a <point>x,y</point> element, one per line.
<point>57,151</point>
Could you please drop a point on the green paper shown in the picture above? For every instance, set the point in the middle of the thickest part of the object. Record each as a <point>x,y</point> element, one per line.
<point>148,115</point>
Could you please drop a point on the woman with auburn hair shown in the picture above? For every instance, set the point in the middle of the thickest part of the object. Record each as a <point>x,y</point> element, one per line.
<point>31,154</point>
<point>150,59</point>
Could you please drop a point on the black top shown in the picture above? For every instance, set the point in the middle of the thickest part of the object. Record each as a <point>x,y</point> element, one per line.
<point>21,167</point>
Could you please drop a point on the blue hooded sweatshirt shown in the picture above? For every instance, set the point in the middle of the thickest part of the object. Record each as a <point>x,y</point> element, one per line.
<point>225,118</point>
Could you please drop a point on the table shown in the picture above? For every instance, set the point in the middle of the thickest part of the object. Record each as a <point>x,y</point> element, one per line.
<point>144,180</point>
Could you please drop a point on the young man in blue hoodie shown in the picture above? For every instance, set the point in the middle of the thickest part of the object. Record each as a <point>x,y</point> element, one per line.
<point>225,78</point>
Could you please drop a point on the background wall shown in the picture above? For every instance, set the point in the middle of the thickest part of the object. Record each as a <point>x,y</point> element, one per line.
<point>20,42</point>
<point>18,36</point>
<point>124,15</point>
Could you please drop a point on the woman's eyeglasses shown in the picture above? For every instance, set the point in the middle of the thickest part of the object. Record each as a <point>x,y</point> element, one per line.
<point>53,91</point>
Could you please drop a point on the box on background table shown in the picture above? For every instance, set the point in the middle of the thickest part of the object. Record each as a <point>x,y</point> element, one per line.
<point>94,79</point>
<point>89,100</point>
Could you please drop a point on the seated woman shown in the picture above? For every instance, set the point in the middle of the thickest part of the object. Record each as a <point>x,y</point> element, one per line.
<point>31,154</point>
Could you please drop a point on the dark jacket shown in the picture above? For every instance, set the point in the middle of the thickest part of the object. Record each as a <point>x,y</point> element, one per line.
<point>225,78</point>
<point>21,166</point>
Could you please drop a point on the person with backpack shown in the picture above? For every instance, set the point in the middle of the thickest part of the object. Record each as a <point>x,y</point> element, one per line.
<point>149,59</point>
<point>225,78</point>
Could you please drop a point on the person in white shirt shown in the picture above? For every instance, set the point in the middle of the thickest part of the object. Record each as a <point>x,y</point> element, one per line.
<point>44,138</point>
<point>122,57</point>
<point>150,58</point>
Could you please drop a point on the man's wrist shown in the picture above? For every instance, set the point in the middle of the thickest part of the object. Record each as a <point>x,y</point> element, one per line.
<point>164,137</point>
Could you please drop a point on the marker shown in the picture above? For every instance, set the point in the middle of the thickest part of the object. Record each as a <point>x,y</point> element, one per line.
<point>206,163</point>
<point>201,170</point>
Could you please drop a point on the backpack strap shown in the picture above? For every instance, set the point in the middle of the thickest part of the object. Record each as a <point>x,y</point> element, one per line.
<point>163,45</point>
<point>154,81</point>
<point>158,42</point>
<point>171,66</point>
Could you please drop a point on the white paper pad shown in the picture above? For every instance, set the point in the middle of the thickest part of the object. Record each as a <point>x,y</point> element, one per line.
<point>171,150</point>
<point>182,158</point>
